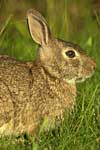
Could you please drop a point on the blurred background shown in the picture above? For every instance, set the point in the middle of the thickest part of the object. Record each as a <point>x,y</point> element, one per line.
<point>77,21</point>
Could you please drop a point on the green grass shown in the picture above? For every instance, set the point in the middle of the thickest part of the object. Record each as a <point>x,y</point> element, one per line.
<point>81,128</point>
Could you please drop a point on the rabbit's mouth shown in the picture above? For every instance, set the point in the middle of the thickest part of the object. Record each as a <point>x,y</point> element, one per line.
<point>82,79</point>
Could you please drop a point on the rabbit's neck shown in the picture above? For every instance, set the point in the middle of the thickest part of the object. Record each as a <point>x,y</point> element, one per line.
<point>63,92</point>
<point>53,91</point>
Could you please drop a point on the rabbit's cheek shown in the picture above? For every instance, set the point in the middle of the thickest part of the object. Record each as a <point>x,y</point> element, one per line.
<point>75,68</point>
<point>75,63</point>
<point>71,73</point>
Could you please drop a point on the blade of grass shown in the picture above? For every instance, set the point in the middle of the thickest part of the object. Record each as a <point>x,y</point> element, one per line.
<point>83,116</point>
<point>6,24</point>
<point>98,20</point>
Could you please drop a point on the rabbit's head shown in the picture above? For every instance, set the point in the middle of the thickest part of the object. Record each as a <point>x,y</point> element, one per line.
<point>60,59</point>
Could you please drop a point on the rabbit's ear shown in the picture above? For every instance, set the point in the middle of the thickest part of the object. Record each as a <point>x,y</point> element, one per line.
<point>38,27</point>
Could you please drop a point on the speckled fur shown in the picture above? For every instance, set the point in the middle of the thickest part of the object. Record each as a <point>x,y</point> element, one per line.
<point>44,88</point>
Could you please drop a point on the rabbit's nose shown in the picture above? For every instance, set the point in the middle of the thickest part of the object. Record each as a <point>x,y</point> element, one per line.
<point>94,67</point>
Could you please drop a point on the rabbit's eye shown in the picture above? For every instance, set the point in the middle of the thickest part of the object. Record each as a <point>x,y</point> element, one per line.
<point>70,53</point>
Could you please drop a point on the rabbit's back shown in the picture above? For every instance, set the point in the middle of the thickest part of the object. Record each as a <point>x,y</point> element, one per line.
<point>14,73</point>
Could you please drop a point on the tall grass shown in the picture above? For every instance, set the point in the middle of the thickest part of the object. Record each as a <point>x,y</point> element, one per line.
<point>81,128</point>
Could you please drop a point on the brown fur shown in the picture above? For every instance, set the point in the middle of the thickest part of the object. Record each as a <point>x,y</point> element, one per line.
<point>44,88</point>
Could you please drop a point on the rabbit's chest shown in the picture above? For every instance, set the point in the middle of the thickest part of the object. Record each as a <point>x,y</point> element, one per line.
<point>60,97</point>
<point>53,101</point>
<point>52,98</point>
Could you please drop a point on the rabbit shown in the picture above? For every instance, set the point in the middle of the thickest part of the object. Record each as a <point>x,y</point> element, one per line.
<point>42,88</point>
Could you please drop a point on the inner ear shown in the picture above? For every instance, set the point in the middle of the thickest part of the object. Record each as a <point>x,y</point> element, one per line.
<point>38,27</point>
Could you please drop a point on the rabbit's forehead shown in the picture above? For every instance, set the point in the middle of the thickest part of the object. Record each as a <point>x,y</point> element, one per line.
<point>68,46</point>
<point>63,45</point>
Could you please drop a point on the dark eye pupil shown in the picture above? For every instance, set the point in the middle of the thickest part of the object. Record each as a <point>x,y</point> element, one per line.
<point>70,53</point>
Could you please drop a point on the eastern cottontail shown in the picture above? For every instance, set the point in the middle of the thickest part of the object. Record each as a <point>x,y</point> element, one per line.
<point>44,88</point>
